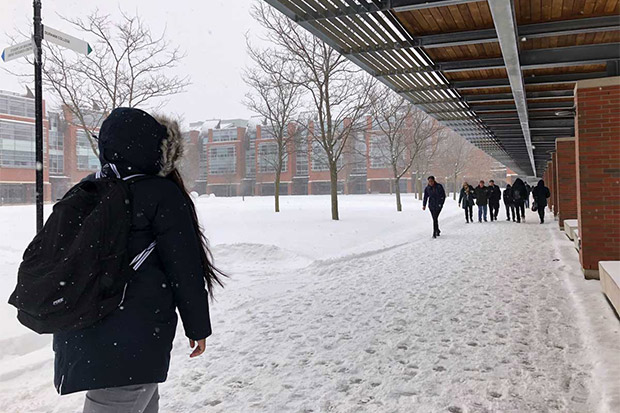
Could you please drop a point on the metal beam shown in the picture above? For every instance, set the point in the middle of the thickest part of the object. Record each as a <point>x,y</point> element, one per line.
<point>495,97</point>
<point>529,80</point>
<point>376,6</point>
<point>529,31</point>
<point>529,59</point>
<point>506,28</point>
<point>531,106</point>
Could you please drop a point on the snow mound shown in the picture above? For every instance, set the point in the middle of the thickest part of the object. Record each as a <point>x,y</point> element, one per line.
<point>257,259</point>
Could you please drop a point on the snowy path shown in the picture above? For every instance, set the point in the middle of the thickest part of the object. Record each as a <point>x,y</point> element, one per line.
<point>480,320</point>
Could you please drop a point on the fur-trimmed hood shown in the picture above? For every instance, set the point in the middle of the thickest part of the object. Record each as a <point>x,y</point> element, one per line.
<point>137,142</point>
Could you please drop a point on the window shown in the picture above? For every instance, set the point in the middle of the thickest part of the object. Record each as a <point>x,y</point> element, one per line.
<point>377,153</point>
<point>17,145</point>
<point>203,159</point>
<point>302,163</point>
<point>319,157</point>
<point>222,160</point>
<point>224,135</point>
<point>268,157</point>
<point>86,158</point>
<point>17,106</point>
<point>57,163</point>
<point>266,132</point>
<point>359,154</point>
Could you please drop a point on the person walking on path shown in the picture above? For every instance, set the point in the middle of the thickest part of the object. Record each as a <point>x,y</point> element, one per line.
<point>519,193</point>
<point>495,196</point>
<point>540,193</point>
<point>466,201</point>
<point>482,199</point>
<point>435,196</point>
<point>509,203</point>
<point>120,359</point>
<point>528,189</point>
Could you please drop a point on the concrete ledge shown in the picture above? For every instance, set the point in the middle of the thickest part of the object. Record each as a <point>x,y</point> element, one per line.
<point>570,225</point>
<point>576,239</point>
<point>609,272</point>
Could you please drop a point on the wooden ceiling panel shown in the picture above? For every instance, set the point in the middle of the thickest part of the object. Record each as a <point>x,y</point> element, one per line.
<point>477,74</point>
<point>571,40</point>
<point>469,16</point>
<point>468,52</point>
<point>538,11</point>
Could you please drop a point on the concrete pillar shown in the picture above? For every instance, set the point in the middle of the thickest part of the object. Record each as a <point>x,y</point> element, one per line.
<point>566,172</point>
<point>597,128</point>
<point>554,178</point>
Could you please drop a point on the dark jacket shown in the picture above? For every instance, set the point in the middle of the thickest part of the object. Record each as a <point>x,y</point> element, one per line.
<point>466,199</point>
<point>519,192</point>
<point>435,196</point>
<point>482,195</point>
<point>508,196</point>
<point>132,344</point>
<point>495,195</point>
<point>540,194</point>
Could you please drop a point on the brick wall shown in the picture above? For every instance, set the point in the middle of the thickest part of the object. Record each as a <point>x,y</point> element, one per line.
<point>598,171</point>
<point>566,172</point>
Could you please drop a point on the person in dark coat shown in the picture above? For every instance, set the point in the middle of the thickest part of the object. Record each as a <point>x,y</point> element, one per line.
<point>528,189</point>
<point>519,193</point>
<point>466,201</point>
<point>509,203</point>
<point>435,196</point>
<point>482,199</point>
<point>495,196</point>
<point>540,194</point>
<point>120,359</point>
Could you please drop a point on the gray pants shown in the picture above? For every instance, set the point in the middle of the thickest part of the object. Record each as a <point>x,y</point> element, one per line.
<point>141,398</point>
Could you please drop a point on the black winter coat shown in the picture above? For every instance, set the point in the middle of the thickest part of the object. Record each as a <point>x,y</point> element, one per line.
<point>466,199</point>
<point>540,194</point>
<point>519,192</point>
<point>435,196</point>
<point>495,194</point>
<point>508,196</point>
<point>482,195</point>
<point>132,344</point>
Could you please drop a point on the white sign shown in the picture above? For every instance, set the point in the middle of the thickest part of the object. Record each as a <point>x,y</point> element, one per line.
<point>19,50</point>
<point>65,40</point>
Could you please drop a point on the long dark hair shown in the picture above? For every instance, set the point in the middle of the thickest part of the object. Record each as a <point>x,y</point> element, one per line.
<point>212,275</point>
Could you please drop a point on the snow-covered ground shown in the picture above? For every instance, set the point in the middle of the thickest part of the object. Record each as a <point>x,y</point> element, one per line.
<point>368,314</point>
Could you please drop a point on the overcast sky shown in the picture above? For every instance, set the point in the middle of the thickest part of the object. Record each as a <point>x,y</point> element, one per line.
<point>211,32</point>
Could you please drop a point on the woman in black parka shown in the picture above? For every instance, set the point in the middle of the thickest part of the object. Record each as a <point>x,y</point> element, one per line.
<point>120,359</point>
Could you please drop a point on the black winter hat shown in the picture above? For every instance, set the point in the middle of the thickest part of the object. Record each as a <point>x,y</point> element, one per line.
<point>132,140</point>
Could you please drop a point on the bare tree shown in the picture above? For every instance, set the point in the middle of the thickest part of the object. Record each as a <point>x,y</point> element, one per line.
<point>277,101</point>
<point>455,157</point>
<point>128,67</point>
<point>424,160</point>
<point>402,135</point>
<point>338,92</point>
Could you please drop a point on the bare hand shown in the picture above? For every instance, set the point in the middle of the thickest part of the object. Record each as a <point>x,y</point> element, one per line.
<point>201,346</point>
<point>423,208</point>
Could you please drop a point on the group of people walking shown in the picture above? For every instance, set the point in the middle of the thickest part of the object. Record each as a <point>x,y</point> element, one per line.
<point>516,198</point>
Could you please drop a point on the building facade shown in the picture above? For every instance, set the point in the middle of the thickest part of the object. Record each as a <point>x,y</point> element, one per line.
<point>237,158</point>
<point>17,149</point>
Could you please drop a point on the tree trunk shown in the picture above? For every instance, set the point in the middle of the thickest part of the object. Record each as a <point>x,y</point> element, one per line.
<point>277,190</point>
<point>419,189</point>
<point>399,205</point>
<point>333,174</point>
<point>454,195</point>
<point>414,185</point>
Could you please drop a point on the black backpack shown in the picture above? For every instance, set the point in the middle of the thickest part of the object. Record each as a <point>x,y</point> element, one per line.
<point>75,270</point>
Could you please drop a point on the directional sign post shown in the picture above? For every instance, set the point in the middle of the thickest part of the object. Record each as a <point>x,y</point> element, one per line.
<point>65,40</point>
<point>34,46</point>
<point>17,51</point>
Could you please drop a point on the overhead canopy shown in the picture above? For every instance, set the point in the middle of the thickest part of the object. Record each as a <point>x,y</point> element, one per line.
<point>501,73</point>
